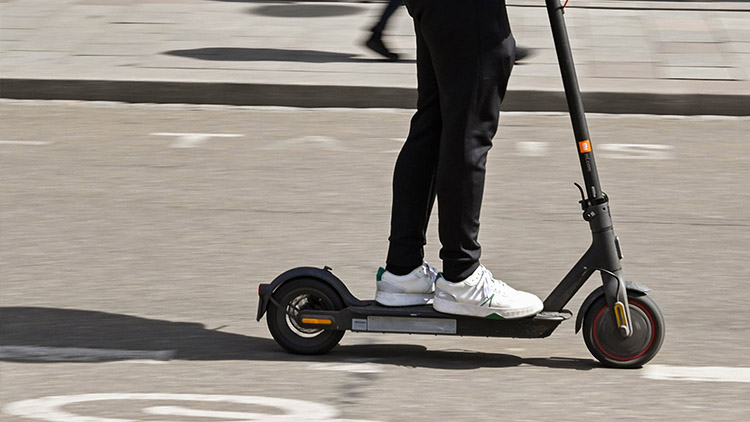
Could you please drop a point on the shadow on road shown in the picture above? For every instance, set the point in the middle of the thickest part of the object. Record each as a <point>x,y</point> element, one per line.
<point>272,54</point>
<point>297,10</point>
<point>300,9</point>
<point>24,329</point>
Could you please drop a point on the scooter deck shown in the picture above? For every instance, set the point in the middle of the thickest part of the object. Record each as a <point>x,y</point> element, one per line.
<point>372,317</point>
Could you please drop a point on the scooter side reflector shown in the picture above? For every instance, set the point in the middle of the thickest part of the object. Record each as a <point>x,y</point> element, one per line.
<point>317,321</point>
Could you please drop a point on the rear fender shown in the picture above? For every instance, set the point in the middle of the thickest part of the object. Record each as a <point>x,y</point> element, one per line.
<point>634,289</point>
<point>323,274</point>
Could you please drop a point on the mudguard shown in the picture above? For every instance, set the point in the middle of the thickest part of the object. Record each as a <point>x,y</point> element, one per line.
<point>634,289</point>
<point>323,274</point>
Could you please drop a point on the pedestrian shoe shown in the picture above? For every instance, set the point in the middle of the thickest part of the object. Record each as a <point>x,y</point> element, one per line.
<point>415,288</point>
<point>521,53</point>
<point>375,43</point>
<point>481,295</point>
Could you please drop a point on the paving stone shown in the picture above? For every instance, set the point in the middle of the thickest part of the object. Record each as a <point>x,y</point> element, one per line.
<point>538,70</point>
<point>688,36</point>
<point>618,46</point>
<point>15,34</point>
<point>700,73</point>
<point>611,54</point>
<point>716,59</point>
<point>737,47</point>
<point>693,48</point>
<point>623,70</point>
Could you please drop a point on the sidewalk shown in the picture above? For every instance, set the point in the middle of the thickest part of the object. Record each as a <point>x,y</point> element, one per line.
<point>631,56</point>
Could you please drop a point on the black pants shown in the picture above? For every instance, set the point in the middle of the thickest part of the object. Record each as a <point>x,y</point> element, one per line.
<point>464,59</point>
<point>389,10</point>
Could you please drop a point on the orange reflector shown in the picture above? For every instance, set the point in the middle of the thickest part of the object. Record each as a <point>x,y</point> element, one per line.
<point>317,321</point>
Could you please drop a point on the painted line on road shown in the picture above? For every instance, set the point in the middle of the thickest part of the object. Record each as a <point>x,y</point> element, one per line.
<point>696,373</point>
<point>193,140</point>
<point>197,413</point>
<point>33,143</point>
<point>355,368</point>
<point>532,148</point>
<point>53,408</point>
<point>637,151</point>
<point>78,354</point>
<point>325,143</point>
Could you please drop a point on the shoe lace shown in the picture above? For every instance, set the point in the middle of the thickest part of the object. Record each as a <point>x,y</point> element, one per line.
<point>492,285</point>
<point>431,271</point>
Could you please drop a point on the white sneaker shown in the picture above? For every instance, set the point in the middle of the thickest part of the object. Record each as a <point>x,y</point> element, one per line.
<point>482,296</point>
<point>415,288</point>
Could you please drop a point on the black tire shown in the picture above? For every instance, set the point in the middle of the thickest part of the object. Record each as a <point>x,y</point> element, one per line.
<point>605,343</point>
<point>294,295</point>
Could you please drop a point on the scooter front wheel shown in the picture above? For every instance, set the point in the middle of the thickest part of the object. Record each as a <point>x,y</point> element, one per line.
<point>283,311</point>
<point>604,341</point>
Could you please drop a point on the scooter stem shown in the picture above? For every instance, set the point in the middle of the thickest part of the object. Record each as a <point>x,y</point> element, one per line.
<point>604,254</point>
<point>575,103</point>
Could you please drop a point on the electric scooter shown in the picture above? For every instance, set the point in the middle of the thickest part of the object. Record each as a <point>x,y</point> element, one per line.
<point>309,309</point>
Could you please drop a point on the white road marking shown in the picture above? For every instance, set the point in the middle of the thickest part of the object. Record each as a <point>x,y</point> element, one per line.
<point>192,140</point>
<point>696,373</point>
<point>77,354</point>
<point>34,143</point>
<point>531,149</point>
<point>228,416</point>
<point>197,413</point>
<point>148,361</point>
<point>318,142</point>
<point>50,408</point>
<point>613,151</point>
<point>637,151</point>
<point>356,368</point>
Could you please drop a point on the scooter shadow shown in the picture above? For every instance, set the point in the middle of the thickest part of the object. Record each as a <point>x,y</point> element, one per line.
<point>416,356</point>
<point>49,335</point>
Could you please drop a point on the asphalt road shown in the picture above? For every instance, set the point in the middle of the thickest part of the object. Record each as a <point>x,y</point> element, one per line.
<point>131,255</point>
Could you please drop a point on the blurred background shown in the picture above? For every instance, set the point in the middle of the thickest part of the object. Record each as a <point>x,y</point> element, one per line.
<point>161,158</point>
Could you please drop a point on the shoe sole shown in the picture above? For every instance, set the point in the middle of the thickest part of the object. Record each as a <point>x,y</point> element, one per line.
<point>455,308</point>
<point>403,299</point>
<point>385,53</point>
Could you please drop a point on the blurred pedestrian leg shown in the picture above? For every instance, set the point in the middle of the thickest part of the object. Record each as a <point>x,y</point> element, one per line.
<point>375,42</point>
<point>521,53</point>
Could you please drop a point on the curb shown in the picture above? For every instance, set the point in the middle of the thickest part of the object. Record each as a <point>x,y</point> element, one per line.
<point>327,96</point>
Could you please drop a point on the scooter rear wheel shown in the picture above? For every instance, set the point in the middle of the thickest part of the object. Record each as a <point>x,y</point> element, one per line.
<point>295,296</point>
<point>603,340</point>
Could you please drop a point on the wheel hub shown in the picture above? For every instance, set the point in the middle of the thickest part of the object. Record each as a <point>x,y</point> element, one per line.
<point>298,304</point>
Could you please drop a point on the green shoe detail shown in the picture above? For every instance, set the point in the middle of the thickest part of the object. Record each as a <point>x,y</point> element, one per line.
<point>381,271</point>
<point>494,316</point>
